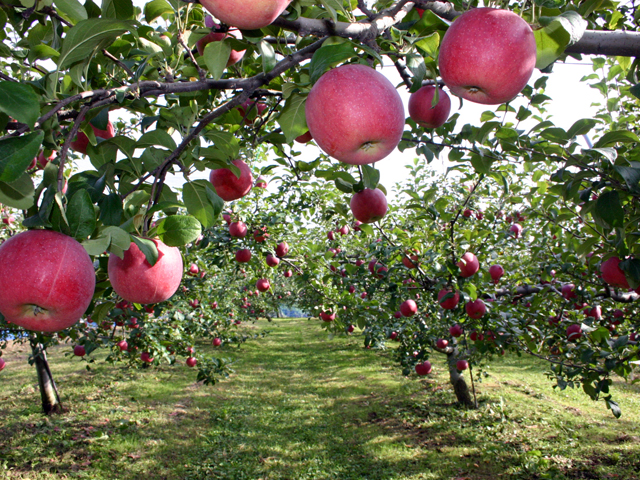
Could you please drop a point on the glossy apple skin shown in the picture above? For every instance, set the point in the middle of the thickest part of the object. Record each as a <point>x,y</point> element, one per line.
<point>2,364</point>
<point>408,308</point>
<point>47,270</point>
<point>282,249</point>
<point>496,271</point>
<point>243,256</point>
<point>613,274</point>
<point>217,342</point>
<point>423,113</point>
<point>462,365</point>
<point>475,309</point>
<point>423,368</point>
<point>263,285</point>
<point>246,14</point>
<point>234,57</point>
<point>450,303</point>
<point>227,185</point>
<point>135,280</point>
<point>355,114</point>
<point>487,55</point>
<point>238,229</point>
<point>82,141</point>
<point>468,265</point>
<point>369,206</point>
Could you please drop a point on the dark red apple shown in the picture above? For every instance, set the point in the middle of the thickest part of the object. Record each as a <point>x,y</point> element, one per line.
<point>441,343</point>
<point>123,345</point>
<point>455,330</point>
<point>146,357</point>
<point>191,362</point>
<point>423,368</point>
<point>79,351</point>
<point>227,185</point>
<point>238,230</point>
<point>282,249</point>
<point>135,280</point>
<point>516,229</point>
<point>243,255</point>
<point>43,159</point>
<point>369,206</point>
<point>487,55</point>
<point>304,138</point>
<point>569,291</point>
<point>250,110</point>
<point>193,269</point>
<point>574,332</point>
<point>355,114</point>
<point>272,261</point>
<point>475,309</point>
<point>468,265</point>
<point>408,308</point>
<point>423,112</point>
<point>263,285</point>
<point>613,274</point>
<point>450,303</point>
<point>2,364</point>
<point>217,342</point>
<point>47,280</point>
<point>462,365</point>
<point>496,271</point>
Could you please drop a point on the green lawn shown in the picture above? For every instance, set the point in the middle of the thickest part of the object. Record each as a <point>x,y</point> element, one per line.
<point>303,406</point>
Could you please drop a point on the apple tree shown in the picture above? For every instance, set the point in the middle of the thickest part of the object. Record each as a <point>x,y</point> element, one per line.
<point>131,128</point>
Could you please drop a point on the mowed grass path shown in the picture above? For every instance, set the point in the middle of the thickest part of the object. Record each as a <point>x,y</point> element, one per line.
<point>301,405</point>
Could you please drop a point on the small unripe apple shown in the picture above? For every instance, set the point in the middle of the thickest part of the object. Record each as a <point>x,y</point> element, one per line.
<point>450,303</point>
<point>455,330</point>
<point>476,309</point>
<point>238,230</point>
<point>355,114</point>
<point>79,351</point>
<point>462,365</point>
<point>423,368</point>
<point>227,185</point>
<point>369,206</point>
<point>496,271</point>
<point>408,308</point>
<point>468,265</point>
<point>487,55</point>
<point>423,112</point>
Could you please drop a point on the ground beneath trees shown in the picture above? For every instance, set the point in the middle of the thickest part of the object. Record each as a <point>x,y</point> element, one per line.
<point>301,405</point>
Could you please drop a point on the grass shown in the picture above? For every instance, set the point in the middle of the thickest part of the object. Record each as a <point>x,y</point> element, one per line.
<point>303,406</point>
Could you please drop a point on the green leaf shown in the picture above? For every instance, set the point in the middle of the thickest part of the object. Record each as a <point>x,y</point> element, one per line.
<point>178,230</point>
<point>120,9</point>
<point>268,56</point>
<point>16,153</point>
<point>157,137</point>
<point>343,186</point>
<point>119,240</point>
<point>616,136</point>
<point>18,194</point>
<point>101,311</point>
<point>581,127</point>
<point>631,176</point>
<point>148,247</point>
<point>609,209</point>
<point>154,9</point>
<point>631,266</point>
<point>96,246</point>
<point>367,229</point>
<point>292,118</point>
<point>73,10</point>
<point>202,202</point>
<point>329,56</point>
<point>551,41</point>
<point>81,215</point>
<point>111,209</point>
<point>429,45</point>
<point>20,102</point>
<point>370,176</point>
<point>82,39</point>
<point>216,55</point>
<point>613,406</point>
<point>481,164</point>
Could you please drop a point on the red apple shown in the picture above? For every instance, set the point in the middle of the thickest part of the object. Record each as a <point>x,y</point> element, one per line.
<point>344,230</point>
<point>363,295</point>
<point>423,368</point>
<point>352,288</point>
<point>516,229</point>
<point>261,182</point>
<point>496,271</point>
<point>475,309</point>
<point>288,273</point>
<point>393,335</point>
<point>135,280</point>
<point>410,262</point>
<point>263,285</point>
<point>82,141</point>
<point>2,364</point>
<point>8,220</point>
<point>238,230</point>
<point>146,357</point>
<point>227,218</point>
<point>217,342</point>
<point>595,312</point>
<point>282,249</point>
<point>455,330</point>
<point>227,185</point>
<point>568,291</point>
<point>193,269</point>
<point>47,280</point>
<point>234,57</point>
<point>79,351</point>
<point>355,114</point>
<point>423,112</point>
<point>43,160</point>
<point>272,261</point>
<point>304,138</point>
<point>574,332</point>
<point>441,343</point>
<point>408,308</point>
<point>259,235</point>
<point>487,55</point>
<point>243,255</point>
<point>250,110</point>
<point>468,265</point>
<point>351,328</point>
<point>214,305</point>
<point>369,206</point>
<point>191,362</point>
<point>467,213</point>
<point>450,303</point>
<point>462,365</point>
<point>613,274</point>
<point>246,14</point>
<point>123,345</point>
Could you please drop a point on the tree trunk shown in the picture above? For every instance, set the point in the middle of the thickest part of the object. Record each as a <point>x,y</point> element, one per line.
<point>457,380</point>
<point>48,391</point>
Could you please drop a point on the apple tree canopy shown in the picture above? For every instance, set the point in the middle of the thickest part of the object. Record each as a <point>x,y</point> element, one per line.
<point>111,121</point>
